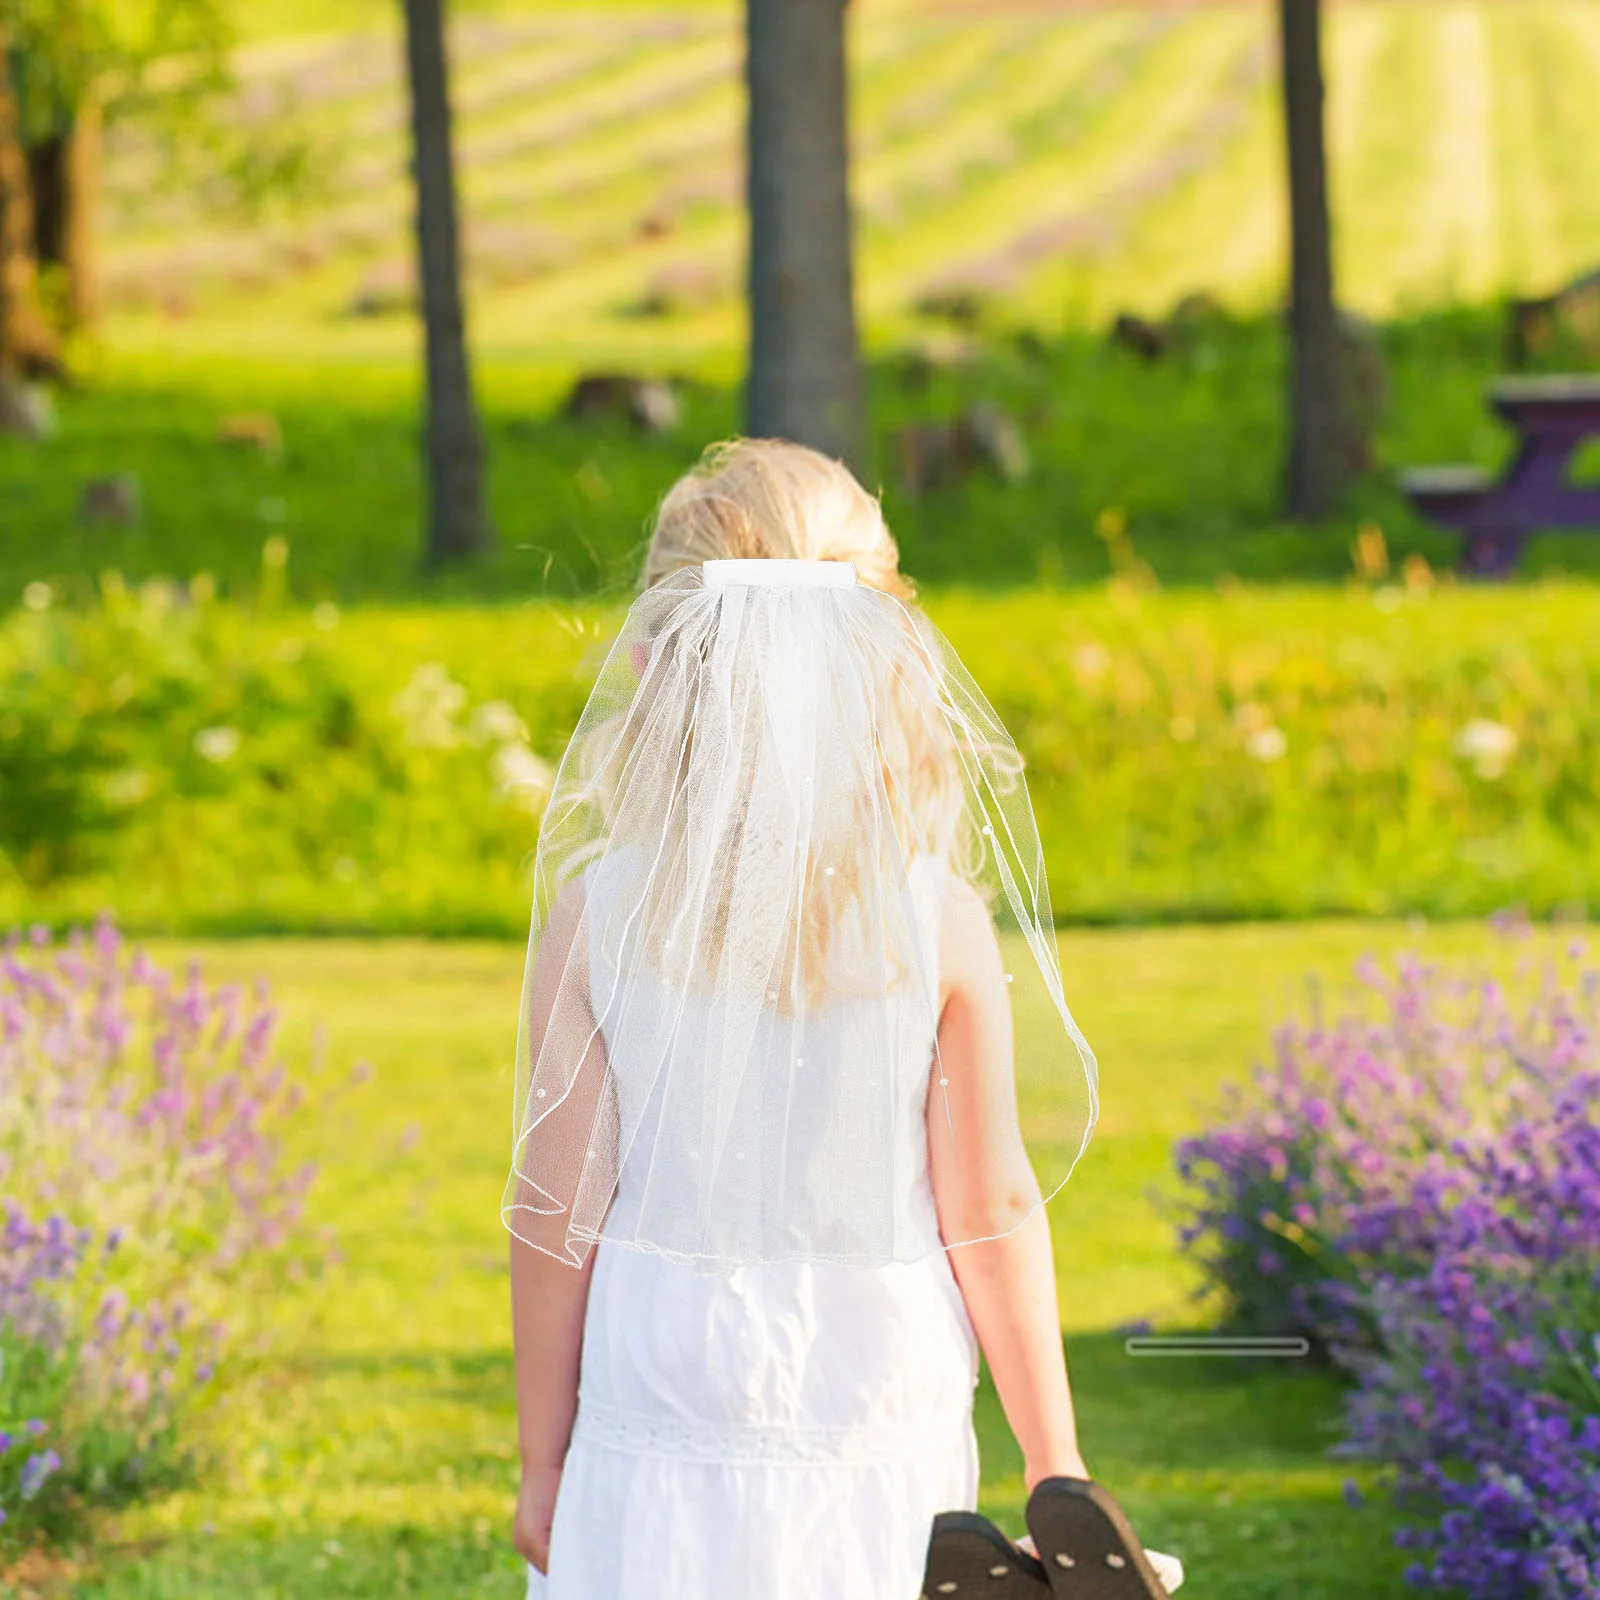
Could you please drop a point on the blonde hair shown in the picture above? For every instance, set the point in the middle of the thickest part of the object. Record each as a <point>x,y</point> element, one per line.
<point>766,499</point>
<point>753,499</point>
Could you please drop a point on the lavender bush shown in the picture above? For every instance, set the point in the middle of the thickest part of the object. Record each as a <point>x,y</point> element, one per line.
<point>1420,1194</point>
<point>143,1191</point>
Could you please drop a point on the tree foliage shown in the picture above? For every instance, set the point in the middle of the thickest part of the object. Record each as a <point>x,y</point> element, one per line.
<point>160,58</point>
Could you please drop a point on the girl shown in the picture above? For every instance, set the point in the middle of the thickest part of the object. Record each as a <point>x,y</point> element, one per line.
<point>769,1197</point>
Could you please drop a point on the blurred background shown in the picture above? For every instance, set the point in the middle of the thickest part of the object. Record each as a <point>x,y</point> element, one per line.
<point>1230,372</point>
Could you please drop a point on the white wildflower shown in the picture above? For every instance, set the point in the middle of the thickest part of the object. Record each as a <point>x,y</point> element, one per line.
<point>38,595</point>
<point>520,776</point>
<point>1267,744</point>
<point>1090,661</point>
<point>496,722</point>
<point>326,616</point>
<point>1488,746</point>
<point>429,706</point>
<point>217,744</point>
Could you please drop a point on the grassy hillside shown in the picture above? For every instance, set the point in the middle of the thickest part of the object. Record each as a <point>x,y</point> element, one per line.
<point>1060,160</point>
<point>1021,172</point>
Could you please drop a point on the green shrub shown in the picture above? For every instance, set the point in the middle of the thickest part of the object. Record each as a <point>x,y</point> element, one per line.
<point>1215,755</point>
<point>1298,754</point>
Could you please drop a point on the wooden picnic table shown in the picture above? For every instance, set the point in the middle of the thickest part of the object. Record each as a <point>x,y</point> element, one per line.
<point>1553,418</point>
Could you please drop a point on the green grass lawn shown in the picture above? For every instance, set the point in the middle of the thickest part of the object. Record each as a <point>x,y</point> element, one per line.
<point>373,1456</point>
<point>1188,449</point>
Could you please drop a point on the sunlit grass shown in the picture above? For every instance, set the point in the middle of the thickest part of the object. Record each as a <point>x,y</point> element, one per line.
<point>1188,448</point>
<point>1026,100</point>
<point>273,19</point>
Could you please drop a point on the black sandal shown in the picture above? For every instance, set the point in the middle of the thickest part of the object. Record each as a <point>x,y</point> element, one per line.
<point>1088,1549</point>
<point>968,1555</point>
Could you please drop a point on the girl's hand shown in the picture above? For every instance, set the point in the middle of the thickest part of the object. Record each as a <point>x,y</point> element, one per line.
<point>536,1506</point>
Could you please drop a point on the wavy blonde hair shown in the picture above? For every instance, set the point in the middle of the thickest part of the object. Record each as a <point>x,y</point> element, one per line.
<point>760,499</point>
<point>754,499</point>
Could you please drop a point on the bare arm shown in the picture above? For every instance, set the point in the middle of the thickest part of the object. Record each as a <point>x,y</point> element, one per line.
<point>549,1296</point>
<point>984,1187</point>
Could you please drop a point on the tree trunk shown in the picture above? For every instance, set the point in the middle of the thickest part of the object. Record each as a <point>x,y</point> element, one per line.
<point>805,370</point>
<point>26,344</point>
<point>65,174</point>
<point>458,522</point>
<point>1319,453</point>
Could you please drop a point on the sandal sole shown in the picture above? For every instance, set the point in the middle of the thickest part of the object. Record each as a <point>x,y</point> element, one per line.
<point>970,1559</point>
<point>1088,1547</point>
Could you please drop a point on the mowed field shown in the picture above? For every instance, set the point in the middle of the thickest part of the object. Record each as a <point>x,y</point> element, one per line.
<point>1057,161</point>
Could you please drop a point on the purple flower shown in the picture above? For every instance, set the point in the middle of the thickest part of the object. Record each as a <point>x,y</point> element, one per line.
<point>37,1471</point>
<point>150,1152</point>
<point>1443,1247</point>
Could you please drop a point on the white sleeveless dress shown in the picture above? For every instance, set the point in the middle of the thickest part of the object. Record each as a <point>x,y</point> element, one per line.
<point>783,1431</point>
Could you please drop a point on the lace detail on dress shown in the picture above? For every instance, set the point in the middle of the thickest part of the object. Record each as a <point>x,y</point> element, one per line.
<point>687,1439</point>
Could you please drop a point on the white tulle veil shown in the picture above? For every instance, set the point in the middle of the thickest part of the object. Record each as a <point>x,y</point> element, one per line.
<point>728,1048</point>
